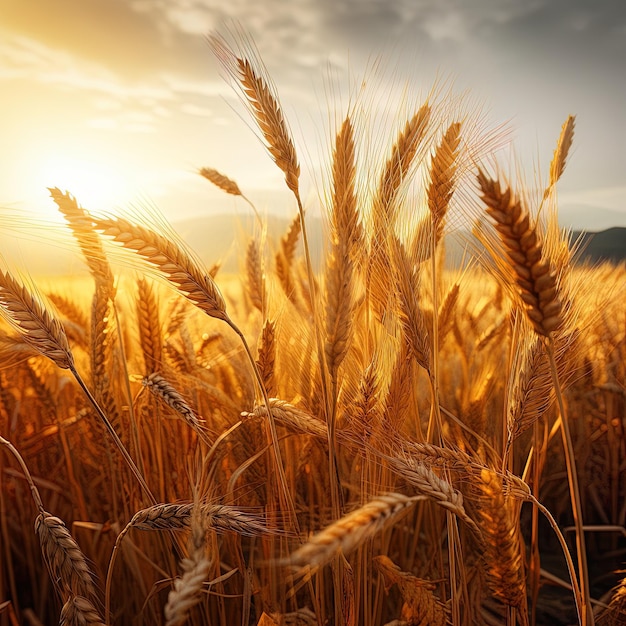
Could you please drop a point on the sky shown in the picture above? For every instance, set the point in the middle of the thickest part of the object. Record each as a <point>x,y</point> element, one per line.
<point>121,101</point>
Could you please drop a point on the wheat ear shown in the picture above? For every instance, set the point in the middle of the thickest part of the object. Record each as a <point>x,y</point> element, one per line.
<point>351,531</point>
<point>267,355</point>
<point>615,614</point>
<point>502,549</point>
<point>218,517</point>
<point>166,392</point>
<point>442,178</point>
<point>150,332</point>
<point>291,417</point>
<point>227,185</point>
<point>187,589</point>
<point>340,268</point>
<point>255,277</point>
<point>81,224</point>
<point>36,324</point>
<point>533,275</point>
<point>428,483</point>
<point>265,109</point>
<point>64,558</point>
<point>561,152</point>
<point>79,611</point>
<point>171,260</point>
<point>421,606</point>
<point>398,166</point>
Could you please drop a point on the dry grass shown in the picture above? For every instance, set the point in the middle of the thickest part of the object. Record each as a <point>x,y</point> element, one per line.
<point>373,443</point>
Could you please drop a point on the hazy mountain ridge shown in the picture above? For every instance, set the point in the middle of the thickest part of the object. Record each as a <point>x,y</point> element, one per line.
<point>223,238</point>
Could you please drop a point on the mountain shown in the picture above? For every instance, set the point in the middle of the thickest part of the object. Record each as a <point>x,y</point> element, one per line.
<point>606,245</point>
<point>223,238</point>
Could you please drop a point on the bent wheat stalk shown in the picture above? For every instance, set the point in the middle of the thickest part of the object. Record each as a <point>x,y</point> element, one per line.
<point>539,291</point>
<point>180,268</point>
<point>43,331</point>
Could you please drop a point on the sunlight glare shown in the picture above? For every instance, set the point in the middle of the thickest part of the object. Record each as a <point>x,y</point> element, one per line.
<point>97,186</point>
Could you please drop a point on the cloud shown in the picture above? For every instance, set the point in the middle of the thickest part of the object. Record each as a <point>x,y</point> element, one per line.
<point>26,58</point>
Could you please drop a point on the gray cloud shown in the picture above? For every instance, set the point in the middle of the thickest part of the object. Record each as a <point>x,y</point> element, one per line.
<point>535,61</point>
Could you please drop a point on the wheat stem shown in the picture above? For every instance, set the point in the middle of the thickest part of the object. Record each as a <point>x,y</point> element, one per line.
<point>586,615</point>
<point>114,436</point>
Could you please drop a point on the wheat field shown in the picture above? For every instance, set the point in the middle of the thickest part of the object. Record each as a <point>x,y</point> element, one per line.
<point>387,438</point>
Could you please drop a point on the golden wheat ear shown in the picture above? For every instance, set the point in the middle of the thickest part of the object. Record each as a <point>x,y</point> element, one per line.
<point>81,225</point>
<point>534,275</point>
<point>351,530</point>
<point>260,95</point>
<point>170,260</point>
<point>37,326</point>
<point>561,152</point>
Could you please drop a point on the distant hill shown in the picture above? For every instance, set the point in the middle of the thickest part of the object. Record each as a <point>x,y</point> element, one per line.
<point>223,238</point>
<point>606,245</point>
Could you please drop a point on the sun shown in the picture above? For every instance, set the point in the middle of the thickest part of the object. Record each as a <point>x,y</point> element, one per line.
<point>97,185</point>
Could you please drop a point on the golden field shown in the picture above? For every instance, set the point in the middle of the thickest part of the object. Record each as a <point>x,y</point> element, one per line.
<point>385,440</point>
